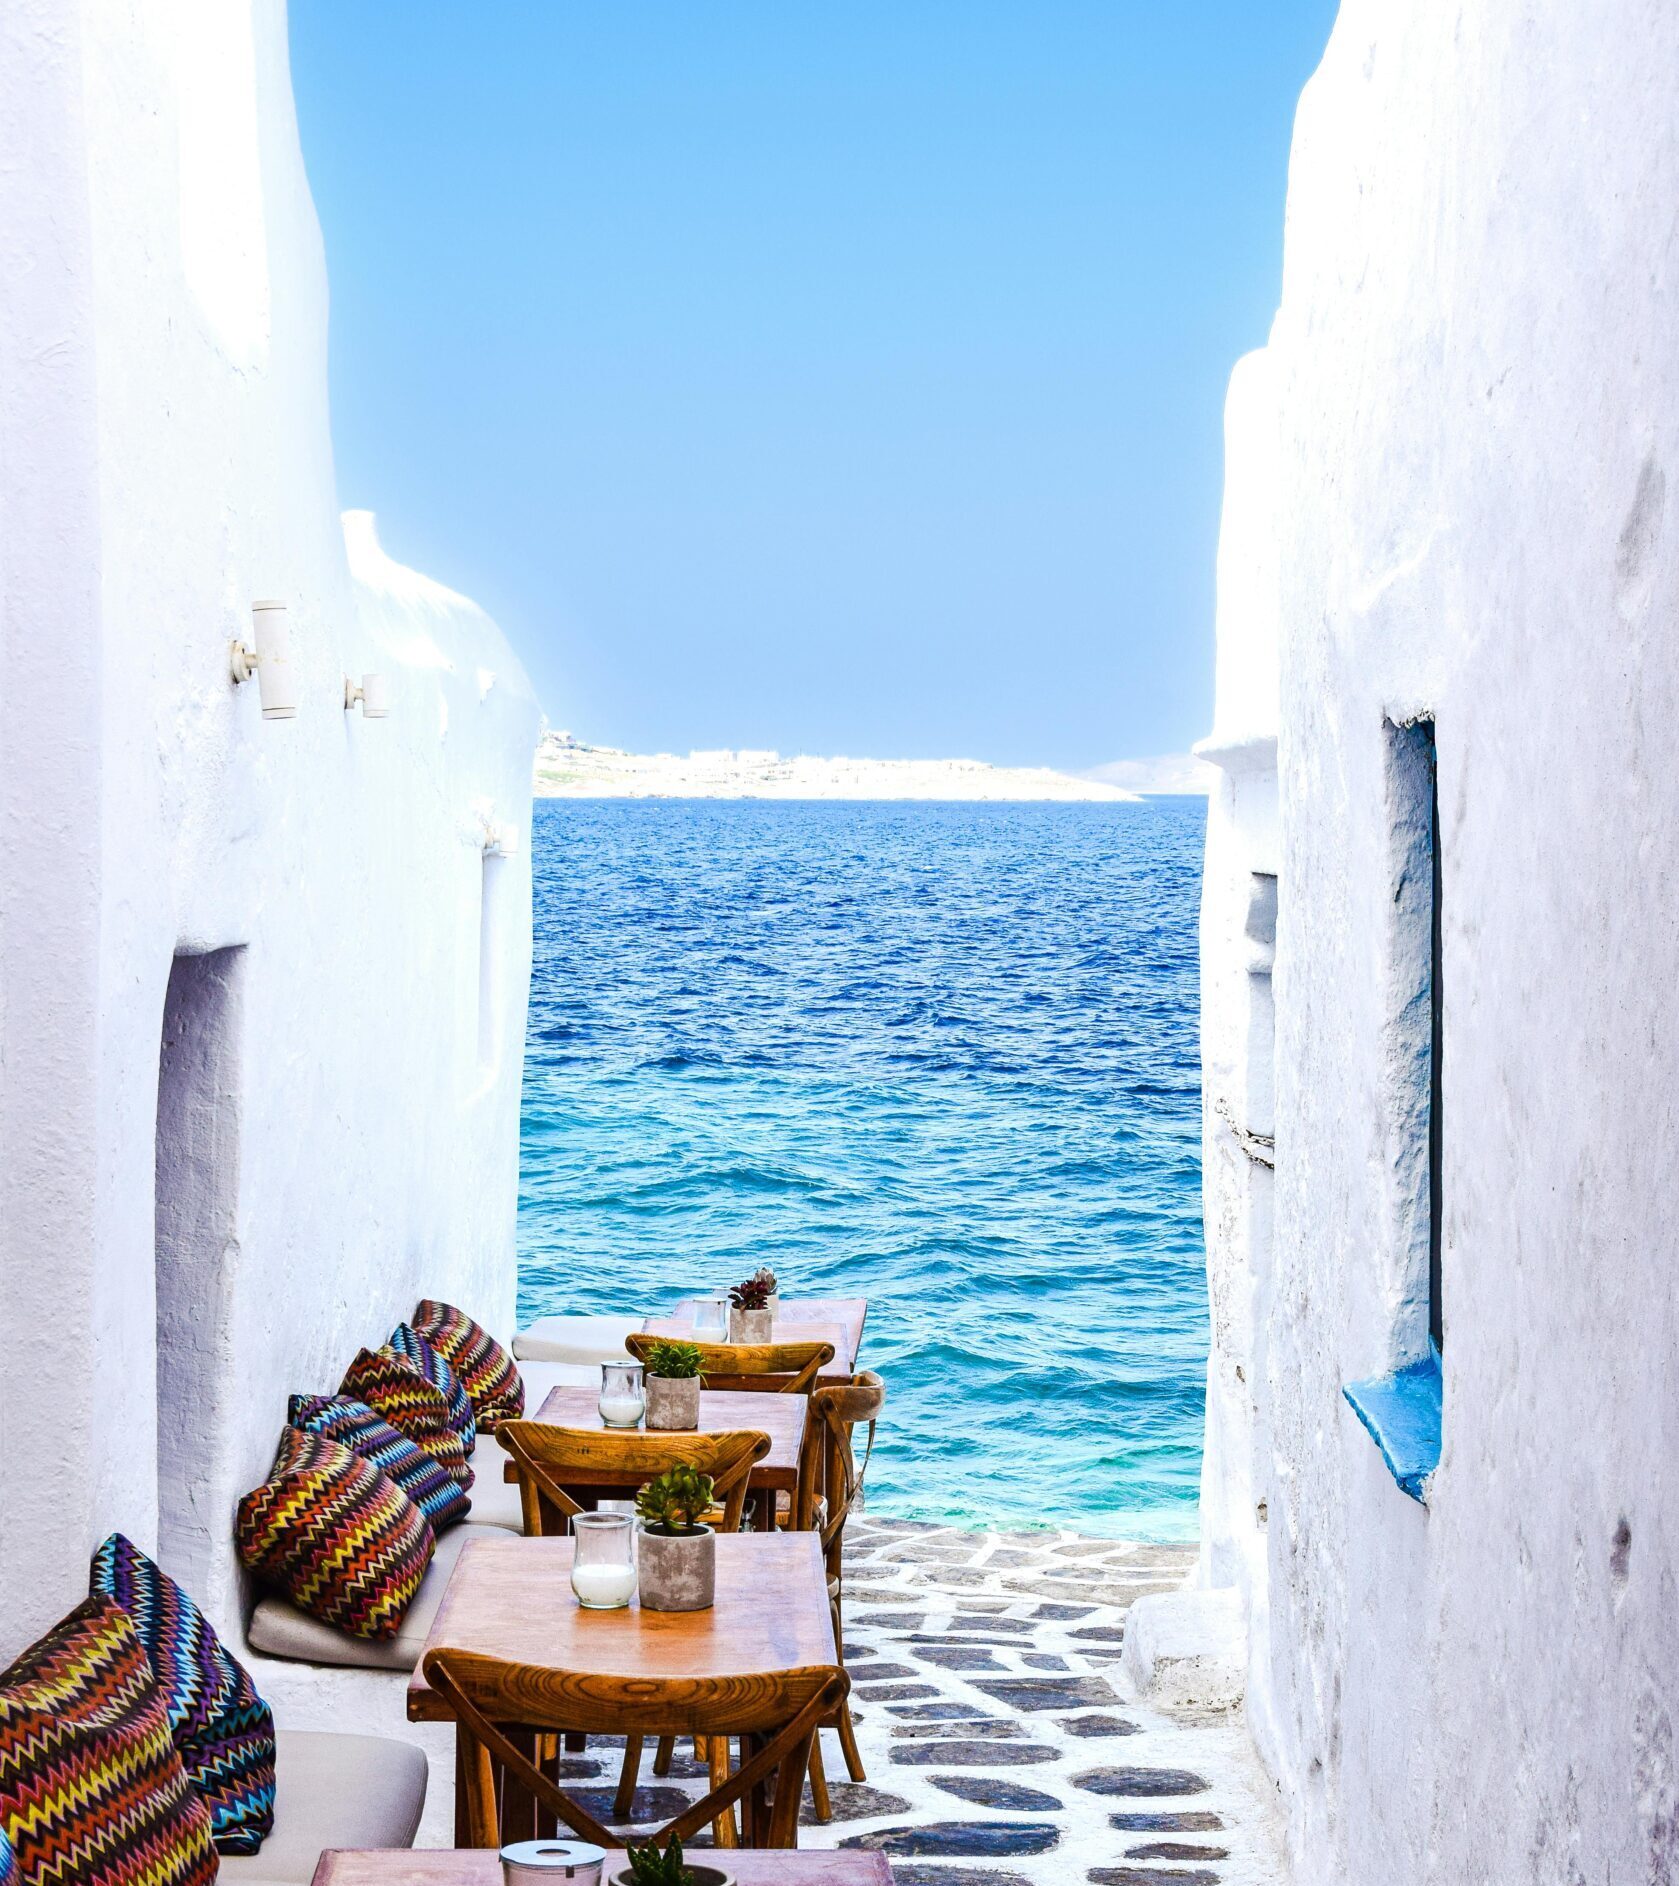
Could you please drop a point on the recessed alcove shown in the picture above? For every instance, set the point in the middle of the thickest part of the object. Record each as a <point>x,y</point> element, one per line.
<point>195,1224</point>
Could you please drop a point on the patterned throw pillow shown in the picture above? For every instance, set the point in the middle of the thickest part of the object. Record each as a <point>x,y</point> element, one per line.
<point>354,1425</point>
<point>413,1348</point>
<point>222,1727</point>
<point>338,1537</point>
<point>9,1875</point>
<point>487,1371</point>
<point>401,1395</point>
<point>92,1791</point>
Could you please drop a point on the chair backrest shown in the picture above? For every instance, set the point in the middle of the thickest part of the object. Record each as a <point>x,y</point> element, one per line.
<point>490,1698</point>
<point>828,1465</point>
<point>557,1464</point>
<point>774,1367</point>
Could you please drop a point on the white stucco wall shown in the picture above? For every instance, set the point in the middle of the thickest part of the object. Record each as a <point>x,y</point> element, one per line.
<point>165,459</point>
<point>1477,428</point>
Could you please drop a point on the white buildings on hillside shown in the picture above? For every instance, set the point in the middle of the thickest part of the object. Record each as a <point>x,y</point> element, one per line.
<point>1452,529</point>
<point>262,982</point>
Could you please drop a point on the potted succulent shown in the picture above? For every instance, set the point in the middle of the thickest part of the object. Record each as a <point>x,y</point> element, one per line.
<point>673,1386</point>
<point>648,1866</point>
<point>765,1276</point>
<point>676,1554</point>
<point>750,1317</point>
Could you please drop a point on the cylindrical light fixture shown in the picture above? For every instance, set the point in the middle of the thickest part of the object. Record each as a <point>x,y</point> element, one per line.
<point>269,661</point>
<point>373,695</point>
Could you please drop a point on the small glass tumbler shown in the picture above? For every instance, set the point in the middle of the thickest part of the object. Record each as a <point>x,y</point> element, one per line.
<point>623,1394</point>
<point>603,1560</point>
<point>711,1319</point>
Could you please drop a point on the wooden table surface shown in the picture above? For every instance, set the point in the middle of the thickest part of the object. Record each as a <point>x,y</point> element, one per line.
<point>511,1598</point>
<point>838,1320</point>
<point>722,1411</point>
<point>455,1866</point>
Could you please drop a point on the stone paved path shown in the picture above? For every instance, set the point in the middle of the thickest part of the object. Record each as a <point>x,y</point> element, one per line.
<point>1002,1744</point>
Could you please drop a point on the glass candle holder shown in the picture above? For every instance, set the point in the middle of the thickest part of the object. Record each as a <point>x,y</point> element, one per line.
<point>603,1560</point>
<point>623,1394</point>
<point>711,1319</point>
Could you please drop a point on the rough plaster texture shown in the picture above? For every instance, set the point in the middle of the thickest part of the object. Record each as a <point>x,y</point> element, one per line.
<point>1474,430</point>
<point>347,1136</point>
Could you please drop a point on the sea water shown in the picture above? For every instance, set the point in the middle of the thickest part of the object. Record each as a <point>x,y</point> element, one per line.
<point>941,1056</point>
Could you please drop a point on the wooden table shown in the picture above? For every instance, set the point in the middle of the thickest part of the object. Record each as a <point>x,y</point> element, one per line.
<point>466,1866</point>
<point>722,1411</point>
<point>838,1320</point>
<point>511,1598</point>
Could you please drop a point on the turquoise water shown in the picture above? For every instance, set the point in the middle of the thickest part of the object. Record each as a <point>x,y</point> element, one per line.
<point>942,1056</point>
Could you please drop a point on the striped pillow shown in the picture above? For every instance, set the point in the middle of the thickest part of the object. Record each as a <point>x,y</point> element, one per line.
<point>487,1371</point>
<point>9,1875</point>
<point>92,1791</point>
<point>413,1348</point>
<point>222,1727</point>
<point>354,1425</point>
<point>338,1537</point>
<point>401,1395</point>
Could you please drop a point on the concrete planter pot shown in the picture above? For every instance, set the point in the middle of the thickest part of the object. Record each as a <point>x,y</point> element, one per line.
<point>677,1571</point>
<point>751,1325</point>
<point>673,1402</point>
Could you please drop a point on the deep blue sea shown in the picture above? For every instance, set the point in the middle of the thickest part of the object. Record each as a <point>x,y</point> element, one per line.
<point>944,1056</point>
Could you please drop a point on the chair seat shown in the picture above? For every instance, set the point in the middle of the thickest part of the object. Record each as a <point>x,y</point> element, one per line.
<point>279,1629</point>
<point>334,1791</point>
<point>579,1339</point>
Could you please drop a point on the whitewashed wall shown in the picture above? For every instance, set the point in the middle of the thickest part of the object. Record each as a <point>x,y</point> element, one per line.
<point>164,460</point>
<point>1477,438</point>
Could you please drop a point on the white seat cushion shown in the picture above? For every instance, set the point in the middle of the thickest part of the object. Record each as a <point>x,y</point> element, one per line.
<point>279,1629</point>
<point>495,1501</point>
<point>584,1339</point>
<point>334,1791</point>
<point>539,1377</point>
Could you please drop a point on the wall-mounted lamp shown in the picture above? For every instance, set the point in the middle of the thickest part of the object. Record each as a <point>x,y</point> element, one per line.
<point>269,661</point>
<point>373,694</point>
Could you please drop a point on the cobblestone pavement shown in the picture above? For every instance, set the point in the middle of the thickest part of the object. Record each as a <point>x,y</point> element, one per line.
<point>1002,1743</point>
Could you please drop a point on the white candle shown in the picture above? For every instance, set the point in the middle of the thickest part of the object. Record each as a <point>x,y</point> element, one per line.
<point>621,1411</point>
<point>603,1587</point>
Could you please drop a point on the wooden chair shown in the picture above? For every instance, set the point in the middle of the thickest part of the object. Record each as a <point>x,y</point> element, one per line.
<point>789,1368</point>
<point>493,1703</point>
<point>830,1481</point>
<point>557,1464</point>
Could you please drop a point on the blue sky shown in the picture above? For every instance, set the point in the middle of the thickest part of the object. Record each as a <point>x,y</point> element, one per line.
<point>834,379</point>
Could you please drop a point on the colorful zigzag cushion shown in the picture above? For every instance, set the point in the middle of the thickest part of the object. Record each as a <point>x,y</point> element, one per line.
<point>222,1727</point>
<point>400,1394</point>
<point>406,1342</point>
<point>487,1372</point>
<point>92,1790</point>
<point>354,1425</point>
<point>338,1537</point>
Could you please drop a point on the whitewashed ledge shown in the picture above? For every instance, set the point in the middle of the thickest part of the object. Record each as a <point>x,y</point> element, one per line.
<point>1004,1742</point>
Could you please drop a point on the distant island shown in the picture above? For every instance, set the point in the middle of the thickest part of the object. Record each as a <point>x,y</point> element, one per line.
<point>568,768</point>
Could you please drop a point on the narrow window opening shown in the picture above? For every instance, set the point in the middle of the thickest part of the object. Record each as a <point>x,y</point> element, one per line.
<point>195,1229</point>
<point>1436,1058</point>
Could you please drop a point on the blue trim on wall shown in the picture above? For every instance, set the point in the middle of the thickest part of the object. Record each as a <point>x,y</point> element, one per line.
<point>1401,1412</point>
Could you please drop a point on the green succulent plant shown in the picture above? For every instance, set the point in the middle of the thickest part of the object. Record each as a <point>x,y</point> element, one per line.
<point>673,1361</point>
<point>676,1502</point>
<point>754,1294</point>
<point>650,1867</point>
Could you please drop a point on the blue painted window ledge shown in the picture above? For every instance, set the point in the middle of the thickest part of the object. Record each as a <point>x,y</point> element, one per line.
<point>1402,1413</point>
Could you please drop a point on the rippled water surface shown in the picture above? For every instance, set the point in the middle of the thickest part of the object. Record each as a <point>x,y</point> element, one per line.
<point>941,1056</point>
